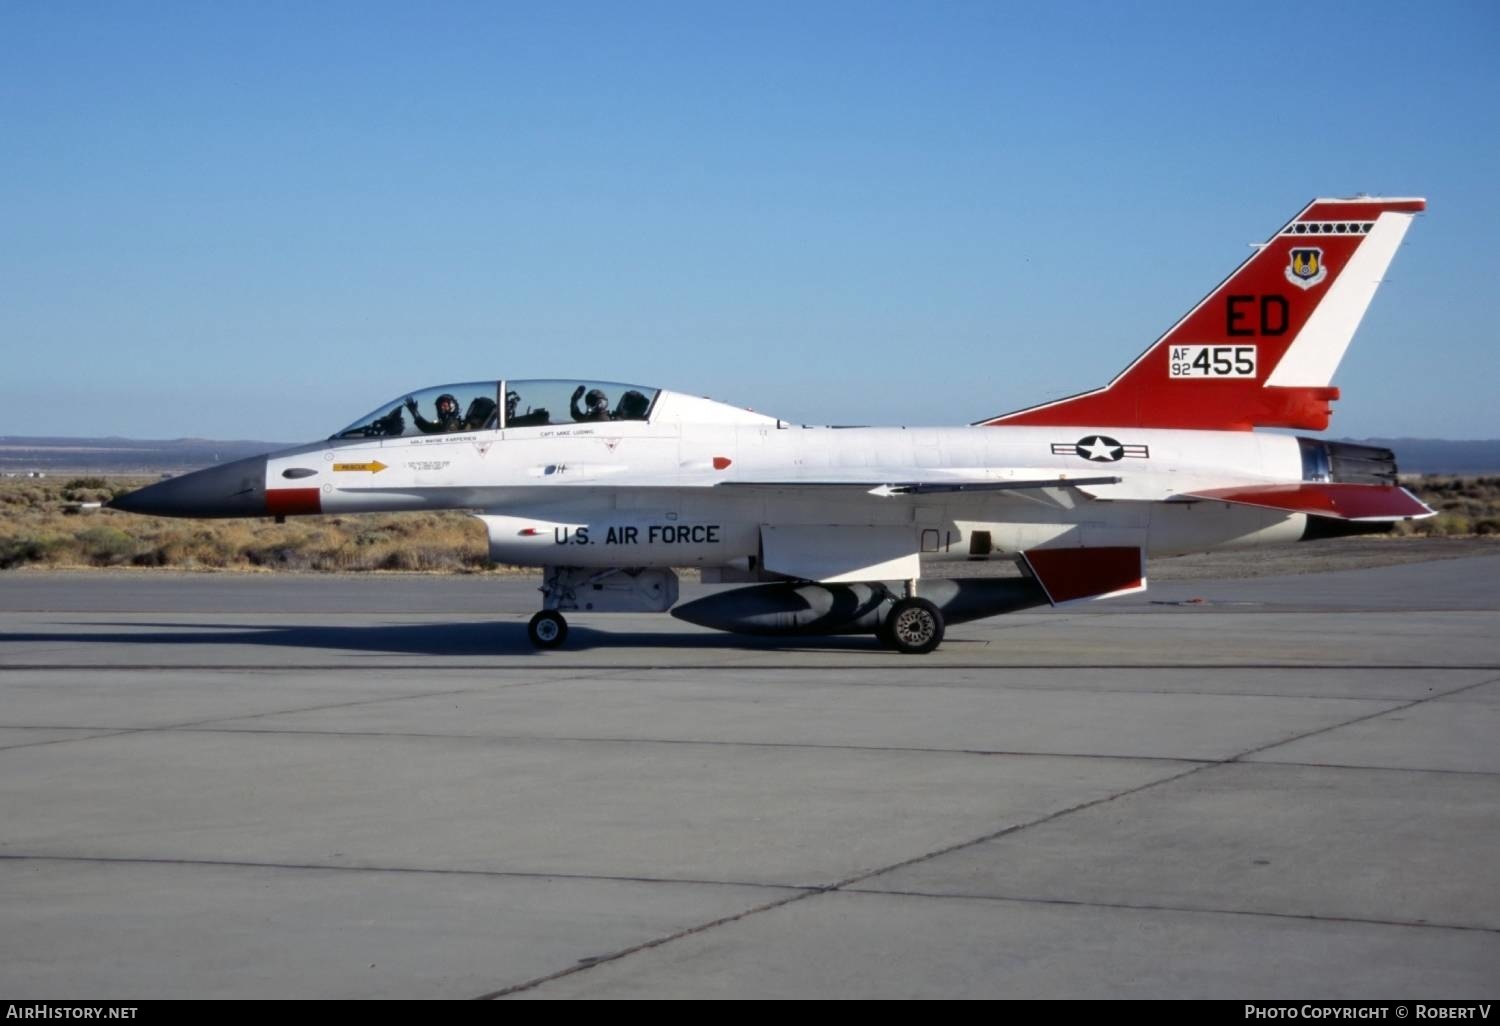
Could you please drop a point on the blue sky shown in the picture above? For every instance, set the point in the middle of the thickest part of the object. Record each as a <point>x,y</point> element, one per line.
<point>239,220</point>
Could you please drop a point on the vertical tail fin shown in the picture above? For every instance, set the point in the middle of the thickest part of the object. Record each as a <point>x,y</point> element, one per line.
<point>1261,349</point>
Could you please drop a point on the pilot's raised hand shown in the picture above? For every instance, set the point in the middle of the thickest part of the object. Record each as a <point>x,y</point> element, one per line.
<point>578,393</point>
<point>411,404</point>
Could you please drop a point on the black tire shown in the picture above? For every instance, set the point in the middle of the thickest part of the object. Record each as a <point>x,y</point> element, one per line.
<point>913,627</point>
<point>547,629</point>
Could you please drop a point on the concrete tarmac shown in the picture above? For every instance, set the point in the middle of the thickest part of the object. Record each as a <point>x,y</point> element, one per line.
<point>272,786</point>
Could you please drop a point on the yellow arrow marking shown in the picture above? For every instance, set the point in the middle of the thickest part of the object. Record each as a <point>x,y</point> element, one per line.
<point>374,466</point>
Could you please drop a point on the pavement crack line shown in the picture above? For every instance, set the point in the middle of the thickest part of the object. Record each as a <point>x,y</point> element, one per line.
<point>316,867</point>
<point>644,946</point>
<point>849,882</point>
<point>1361,719</point>
<point>207,725</point>
<point>886,664</point>
<point>200,724</point>
<point>1184,909</point>
<point>617,740</point>
<point>814,891</point>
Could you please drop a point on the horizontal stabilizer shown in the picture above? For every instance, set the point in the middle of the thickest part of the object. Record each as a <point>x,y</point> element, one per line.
<point>1071,575</point>
<point>1327,499</point>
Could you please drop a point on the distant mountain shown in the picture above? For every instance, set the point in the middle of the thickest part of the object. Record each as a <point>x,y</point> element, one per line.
<point>1438,456</point>
<point>21,455</point>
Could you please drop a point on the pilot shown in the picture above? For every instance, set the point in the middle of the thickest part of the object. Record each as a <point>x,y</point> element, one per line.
<point>480,414</point>
<point>633,406</point>
<point>531,418</point>
<point>596,405</point>
<point>447,419</point>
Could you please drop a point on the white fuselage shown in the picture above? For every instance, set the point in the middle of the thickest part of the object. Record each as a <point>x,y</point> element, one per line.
<point>701,482</point>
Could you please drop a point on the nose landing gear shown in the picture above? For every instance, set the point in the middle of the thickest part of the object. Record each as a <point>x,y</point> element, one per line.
<point>597,590</point>
<point>547,629</point>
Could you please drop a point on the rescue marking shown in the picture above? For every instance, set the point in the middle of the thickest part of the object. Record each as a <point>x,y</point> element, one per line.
<point>374,467</point>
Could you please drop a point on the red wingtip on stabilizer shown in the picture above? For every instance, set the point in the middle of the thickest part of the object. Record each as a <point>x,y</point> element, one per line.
<point>1261,349</point>
<point>1326,499</point>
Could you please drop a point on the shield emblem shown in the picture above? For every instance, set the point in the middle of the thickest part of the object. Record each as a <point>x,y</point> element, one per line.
<point>1306,267</point>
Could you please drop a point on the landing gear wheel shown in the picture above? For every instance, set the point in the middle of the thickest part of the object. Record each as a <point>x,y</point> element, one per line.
<point>547,629</point>
<point>914,627</point>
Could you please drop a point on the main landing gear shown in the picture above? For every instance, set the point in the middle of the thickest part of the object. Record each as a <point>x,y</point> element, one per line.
<point>914,626</point>
<point>910,625</point>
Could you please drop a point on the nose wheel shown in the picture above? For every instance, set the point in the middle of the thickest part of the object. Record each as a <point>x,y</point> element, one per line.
<point>914,626</point>
<point>547,629</point>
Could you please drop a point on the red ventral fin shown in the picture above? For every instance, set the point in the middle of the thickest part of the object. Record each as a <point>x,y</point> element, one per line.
<point>285,502</point>
<point>1261,349</point>
<point>1344,501</point>
<point>1069,575</point>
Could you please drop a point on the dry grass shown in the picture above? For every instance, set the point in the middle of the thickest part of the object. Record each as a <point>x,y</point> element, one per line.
<point>40,526</point>
<point>1465,505</point>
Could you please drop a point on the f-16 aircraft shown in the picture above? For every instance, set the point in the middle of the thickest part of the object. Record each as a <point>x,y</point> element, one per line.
<point>608,487</point>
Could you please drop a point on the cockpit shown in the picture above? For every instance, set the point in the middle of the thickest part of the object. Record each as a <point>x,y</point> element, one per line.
<point>494,405</point>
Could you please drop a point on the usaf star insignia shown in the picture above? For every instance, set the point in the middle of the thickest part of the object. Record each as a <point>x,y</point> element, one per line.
<point>1100,449</point>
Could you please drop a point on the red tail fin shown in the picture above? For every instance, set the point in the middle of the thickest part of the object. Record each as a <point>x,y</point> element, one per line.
<point>1261,349</point>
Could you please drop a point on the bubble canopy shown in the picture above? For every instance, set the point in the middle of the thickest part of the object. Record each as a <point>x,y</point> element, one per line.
<point>493,405</point>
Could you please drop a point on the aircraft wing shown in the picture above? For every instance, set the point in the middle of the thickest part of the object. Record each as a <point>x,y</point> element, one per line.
<point>853,480</point>
<point>888,488</point>
<point>885,482</point>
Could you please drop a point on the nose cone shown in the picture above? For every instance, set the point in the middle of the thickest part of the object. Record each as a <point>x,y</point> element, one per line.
<point>235,489</point>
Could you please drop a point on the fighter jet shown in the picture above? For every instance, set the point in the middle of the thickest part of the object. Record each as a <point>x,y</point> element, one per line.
<point>610,488</point>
